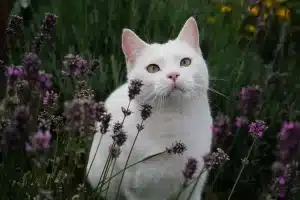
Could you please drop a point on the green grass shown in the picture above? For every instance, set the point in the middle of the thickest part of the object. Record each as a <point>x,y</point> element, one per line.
<point>92,28</point>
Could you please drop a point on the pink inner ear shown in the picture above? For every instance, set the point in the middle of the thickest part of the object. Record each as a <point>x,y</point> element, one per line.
<point>189,33</point>
<point>132,45</point>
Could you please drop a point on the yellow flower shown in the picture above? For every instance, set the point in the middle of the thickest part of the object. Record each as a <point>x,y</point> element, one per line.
<point>269,3</point>
<point>250,28</point>
<point>211,20</point>
<point>283,13</point>
<point>226,9</point>
<point>254,10</point>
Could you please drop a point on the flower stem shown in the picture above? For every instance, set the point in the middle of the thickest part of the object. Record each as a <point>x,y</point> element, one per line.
<point>107,163</point>
<point>195,185</point>
<point>139,130</point>
<point>157,154</point>
<point>112,170</point>
<point>242,169</point>
<point>129,166</point>
<point>93,158</point>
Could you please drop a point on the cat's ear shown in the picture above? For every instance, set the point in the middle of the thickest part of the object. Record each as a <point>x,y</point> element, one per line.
<point>189,33</point>
<point>132,45</point>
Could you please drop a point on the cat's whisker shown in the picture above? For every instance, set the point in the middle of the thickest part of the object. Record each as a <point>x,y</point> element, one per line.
<point>217,92</point>
<point>217,79</point>
<point>212,90</point>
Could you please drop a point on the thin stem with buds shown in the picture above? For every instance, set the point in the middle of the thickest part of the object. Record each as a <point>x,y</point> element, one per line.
<point>242,169</point>
<point>93,158</point>
<point>139,130</point>
<point>107,163</point>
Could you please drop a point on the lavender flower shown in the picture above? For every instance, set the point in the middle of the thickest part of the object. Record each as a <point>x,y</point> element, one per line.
<point>284,180</point>
<point>100,111</point>
<point>215,159</point>
<point>118,127</point>
<point>115,150</point>
<point>95,65</point>
<point>80,116</point>
<point>190,168</point>
<point>50,98</point>
<point>126,111</point>
<point>14,28</point>
<point>240,121</point>
<point>249,101</point>
<point>82,91</point>
<point>177,148</point>
<point>45,32</point>
<point>15,71</point>
<point>134,88</point>
<point>45,81</point>
<point>49,23</point>
<point>32,65</point>
<point>120,138</point>
<point>289,141</point>
<point>257,128</point>
<point>146,111</point>
<point>221,125</point>
<point>75,66</point>
<point>285,168</point>
<point>40,141</point>
<point>105,123</point>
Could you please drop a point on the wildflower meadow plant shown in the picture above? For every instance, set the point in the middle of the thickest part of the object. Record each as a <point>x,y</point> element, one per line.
<point>46,135</point>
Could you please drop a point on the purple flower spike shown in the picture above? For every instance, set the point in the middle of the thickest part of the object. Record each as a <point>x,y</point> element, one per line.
<point>32,65</point>
<point>45,81</point>
<point>10,71</point>
<point>240,121</point>
<point>289,141</point>
<point>40,141</point>
<point>281,180</point>
<point>257,128</point>
<point>15,71</point>
<point>222,125</point>
<point>249,101</point>
<point>75,65</point>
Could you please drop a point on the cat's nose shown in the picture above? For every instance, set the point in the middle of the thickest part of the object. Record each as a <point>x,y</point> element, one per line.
<point>173,76</point>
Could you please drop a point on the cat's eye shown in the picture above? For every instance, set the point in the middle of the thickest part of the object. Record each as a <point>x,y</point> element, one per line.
<point>185,62</point>
<point>152,68</point>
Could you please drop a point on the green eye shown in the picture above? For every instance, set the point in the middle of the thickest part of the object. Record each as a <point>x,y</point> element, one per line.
<point>185,62</point>
<point>152,68</point>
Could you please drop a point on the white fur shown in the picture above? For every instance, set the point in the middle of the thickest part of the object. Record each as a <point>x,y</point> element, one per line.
<point>179,115</point>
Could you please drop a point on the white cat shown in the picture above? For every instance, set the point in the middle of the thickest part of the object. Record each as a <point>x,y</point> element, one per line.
<point>176,79</point>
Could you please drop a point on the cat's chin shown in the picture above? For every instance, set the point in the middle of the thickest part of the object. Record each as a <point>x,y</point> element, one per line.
<point>176,92</point>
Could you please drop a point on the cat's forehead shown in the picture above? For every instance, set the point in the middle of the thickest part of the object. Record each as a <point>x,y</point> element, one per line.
<point>166,51</point>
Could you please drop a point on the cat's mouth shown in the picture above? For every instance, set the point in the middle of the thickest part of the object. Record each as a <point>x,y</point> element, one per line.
<point>176,89</point>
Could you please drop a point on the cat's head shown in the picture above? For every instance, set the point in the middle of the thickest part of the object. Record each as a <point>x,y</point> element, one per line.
<point>173,70</point>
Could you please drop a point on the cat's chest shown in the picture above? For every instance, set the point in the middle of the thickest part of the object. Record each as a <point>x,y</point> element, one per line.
<point>160,176</point>
<point>165,125</point>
